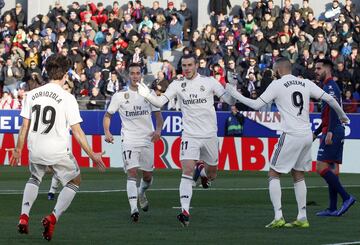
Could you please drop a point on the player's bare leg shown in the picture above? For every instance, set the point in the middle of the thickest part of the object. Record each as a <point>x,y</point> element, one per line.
<point>145,184</point>
<point>185,190</point>
<point>132,193</point>
<point>30,194</point>
<point>64,200</point>
<point>300,194</point>
<point>275,197</point>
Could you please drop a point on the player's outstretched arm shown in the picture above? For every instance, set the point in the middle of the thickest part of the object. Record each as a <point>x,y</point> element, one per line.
<point>157,101</point>
<point>16,152</point>
<point>81,139</point>
<point>106,125</point>
<point>335,105</point>
<point>255,104</point>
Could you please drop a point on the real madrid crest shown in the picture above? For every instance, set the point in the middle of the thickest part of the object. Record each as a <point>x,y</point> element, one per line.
<point>127,96</point>
<point>202,88</point>
<point>183,85</point>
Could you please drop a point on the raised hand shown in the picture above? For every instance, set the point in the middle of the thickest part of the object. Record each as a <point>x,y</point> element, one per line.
<point>143,90</point>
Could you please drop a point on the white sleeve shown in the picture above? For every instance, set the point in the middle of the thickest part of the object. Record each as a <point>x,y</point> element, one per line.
<point>153,107</point>
<point>315,91</point>
<point>219,90</point>
<point>72,111</point>
<point>335,105</point>
<point>170,92</point>
<point>270,93</point>
<point>26,110</point>
<point>114,104</point>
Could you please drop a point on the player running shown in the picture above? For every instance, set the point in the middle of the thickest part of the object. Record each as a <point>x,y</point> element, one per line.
<point>48,112</point>
<point>137,138</point>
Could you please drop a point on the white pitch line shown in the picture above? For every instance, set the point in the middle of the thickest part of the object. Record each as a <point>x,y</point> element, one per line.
<point>17,192</point>
<point>344,243</point>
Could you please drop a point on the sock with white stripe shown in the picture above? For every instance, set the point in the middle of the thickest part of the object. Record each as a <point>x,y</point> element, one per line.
<point>300,194</point>
<point>131,190</point>
<point>30,194</point>
<point>65,198</point>
<point>275,196</point>
<point>144,185</point>
<point>185,191</point>
<point>54,185</point>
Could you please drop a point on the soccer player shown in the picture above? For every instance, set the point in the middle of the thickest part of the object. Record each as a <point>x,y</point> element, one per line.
<point>137,137</point>
<point>199,137</point>
<point>293,151</point>
<point>48,112</point>
<point>331,143</point>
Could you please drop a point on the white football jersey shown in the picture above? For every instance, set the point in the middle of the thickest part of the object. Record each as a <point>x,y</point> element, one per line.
<point>52,111</point>
<point>135,113</point>
<point>292,98</point>
<point>197,104</point>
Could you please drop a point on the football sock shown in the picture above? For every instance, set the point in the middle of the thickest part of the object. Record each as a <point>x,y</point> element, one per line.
<point>275,196</point>
<point>30,193</point>
<point>65,198</point>
<point>300,194</point>
<point>144,185</point>
<point>54,185</point>
<point>332,198</point>
<point>131,190</point>
<point>333,181</point>
<point>185,191</point>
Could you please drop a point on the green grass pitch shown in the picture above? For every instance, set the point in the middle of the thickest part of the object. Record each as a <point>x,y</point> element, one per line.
<point>234,211</point>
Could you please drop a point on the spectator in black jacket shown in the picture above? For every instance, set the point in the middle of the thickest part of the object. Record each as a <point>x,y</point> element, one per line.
<point>187,28</point>
<point>218,7</point>
<point>19,15</point>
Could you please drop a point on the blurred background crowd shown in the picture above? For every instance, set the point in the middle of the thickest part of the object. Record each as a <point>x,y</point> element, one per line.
<point>242,47</point>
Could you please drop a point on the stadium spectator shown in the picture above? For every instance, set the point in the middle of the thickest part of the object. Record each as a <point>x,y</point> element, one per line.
<point>97,100</point>
<point>187,27</point>
<point>218,7</point>
<point>234,125</point>
<point>349,103</point>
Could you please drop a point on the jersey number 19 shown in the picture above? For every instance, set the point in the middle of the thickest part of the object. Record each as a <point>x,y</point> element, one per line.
<point>47,117</point>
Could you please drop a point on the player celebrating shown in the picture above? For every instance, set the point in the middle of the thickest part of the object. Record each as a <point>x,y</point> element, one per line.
<point>199,137</point>
<point>331,143</point>
<point>137,137</point>
<point>293,151</point>
<point>47,113</point>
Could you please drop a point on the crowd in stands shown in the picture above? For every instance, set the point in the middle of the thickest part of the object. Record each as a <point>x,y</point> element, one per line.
<point>234,46</point>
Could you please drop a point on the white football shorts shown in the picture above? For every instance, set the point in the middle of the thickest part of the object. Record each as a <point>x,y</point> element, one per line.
<point>292,152</point>
<point>141,157</point>
<point>65,170</point>
<point>206,149</point>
